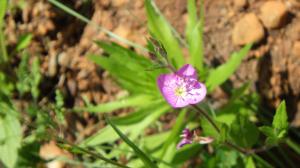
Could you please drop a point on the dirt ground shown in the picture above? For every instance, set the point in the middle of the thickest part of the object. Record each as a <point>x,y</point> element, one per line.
<point>63,42</point>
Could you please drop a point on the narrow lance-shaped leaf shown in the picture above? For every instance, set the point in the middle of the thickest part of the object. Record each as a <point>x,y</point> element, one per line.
<point>280,120</point>
<point>223,72</point>
<point>162,31</point>
<point>3,52</point>
<point>146,160</point>
<point>243,132</point>
<point>194,35</point>
<point>250,163</point>
<point>23,42</point>
<point>133,101</point>
<point>10,134</point>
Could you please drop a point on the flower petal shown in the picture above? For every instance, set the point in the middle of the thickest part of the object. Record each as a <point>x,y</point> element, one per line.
<point>187,133</point>
<point>197,94</point>
<point>206,140</point>
<point>167,84</point>
<point>187,71</point>
<point>183,142</point>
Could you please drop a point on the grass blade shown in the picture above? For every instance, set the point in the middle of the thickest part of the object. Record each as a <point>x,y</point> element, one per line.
<point>3,52</point>
<point>71,147</point>
<point>146,160</point>
<point>111,106</point>
<point>194,35</point>
<point>162,31</point>
<point>223,72</point>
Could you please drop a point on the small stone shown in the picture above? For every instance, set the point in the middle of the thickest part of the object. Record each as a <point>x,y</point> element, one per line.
<point>247,30</point>
<point>72,87</point>
<point>64,59</point>
<point>239,4</point>
<point>52,65</point>
<point>273,14</point>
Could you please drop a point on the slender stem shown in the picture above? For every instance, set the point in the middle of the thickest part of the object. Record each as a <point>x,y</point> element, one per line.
<point>207,117</point>
<point>99,156</point>
<point>170,67</point>
<point>240,149</point>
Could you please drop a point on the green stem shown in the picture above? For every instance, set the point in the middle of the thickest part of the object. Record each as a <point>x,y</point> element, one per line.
<point>96,155</point>
<point>242,150</point>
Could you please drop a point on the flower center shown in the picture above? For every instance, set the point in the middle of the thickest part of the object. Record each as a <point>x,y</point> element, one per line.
<point>179,91</point>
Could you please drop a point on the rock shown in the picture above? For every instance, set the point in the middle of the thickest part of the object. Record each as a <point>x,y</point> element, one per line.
<point>247,30</point>
<point>239,4</point>
<point>273,14</point>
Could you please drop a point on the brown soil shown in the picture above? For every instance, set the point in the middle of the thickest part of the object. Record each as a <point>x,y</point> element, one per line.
<point>63,42</point>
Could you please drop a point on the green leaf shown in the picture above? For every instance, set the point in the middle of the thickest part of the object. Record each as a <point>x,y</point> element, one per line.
<point>223,158</point>
<point>177,128</point>
<point>223,72</point>
<point>133,101</point>
<point>186,153</point>
<point>23,74</point>
<point>10,135</point>
<point>138,115</point>
<point>6,87</point>
<point>162,31</point>
<point>194,35</point>
<point>154,141</point>
<point>132,76</point>
<point>146,160</point>
<point>23,42</point>
<point>279,126</point>
<point>250,163</point>
<point>272,138</point>
<point>59,104</point>
<point>3,52</point>
<point>243,132</point>
<point>105,134</point>
<point>280,120</point>
<point>29,77</point>
<point>36,77</point>
<point>268,131</point>
<point>3,5</point>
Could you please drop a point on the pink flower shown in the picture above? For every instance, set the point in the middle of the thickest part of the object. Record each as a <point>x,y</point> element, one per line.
<point>182,87</point>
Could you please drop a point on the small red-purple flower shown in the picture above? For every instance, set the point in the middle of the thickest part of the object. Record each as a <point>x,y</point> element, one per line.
<point>188,137</point>
<point>182,87</point>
